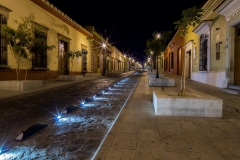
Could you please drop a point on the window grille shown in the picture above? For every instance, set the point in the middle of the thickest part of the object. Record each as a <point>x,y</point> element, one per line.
<point>203,53</point>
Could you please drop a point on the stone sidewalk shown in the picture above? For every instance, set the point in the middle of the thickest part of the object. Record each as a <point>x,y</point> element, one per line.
<point>138,134</point>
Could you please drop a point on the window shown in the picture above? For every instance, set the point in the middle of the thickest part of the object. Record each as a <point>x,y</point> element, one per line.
<point>84,60</point>
<point>203,53</point>
<point>3,44</point>
<point>39,59</point>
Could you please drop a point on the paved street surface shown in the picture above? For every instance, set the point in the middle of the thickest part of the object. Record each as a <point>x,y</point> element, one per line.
<point>76,135</point>
<point>139,134</point>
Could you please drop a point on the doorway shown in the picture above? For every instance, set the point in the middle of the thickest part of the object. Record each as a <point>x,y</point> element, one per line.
<point>237,57</point>
<point>62,58</point>
<point>188,64</point>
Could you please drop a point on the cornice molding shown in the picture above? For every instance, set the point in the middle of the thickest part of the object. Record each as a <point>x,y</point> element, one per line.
<point>4,11</point>
<point>229,9</point>
<point>44,4</point>
<point>203,27</point>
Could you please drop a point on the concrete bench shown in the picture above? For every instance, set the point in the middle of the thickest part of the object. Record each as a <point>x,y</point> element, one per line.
<point>92,74</point>
<point>15,85</point>
<point>154,75</point>
<point>161,82</point>
<point>194,105</point>
<point>70,77</point>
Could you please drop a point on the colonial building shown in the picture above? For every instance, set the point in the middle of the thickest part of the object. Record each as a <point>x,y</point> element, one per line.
<point>209,52</point>
<point>230,9</point>
<point>61,31</point>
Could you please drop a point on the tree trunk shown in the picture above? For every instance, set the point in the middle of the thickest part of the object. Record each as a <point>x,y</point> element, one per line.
<point>18,68</point>
<point>184,71</point>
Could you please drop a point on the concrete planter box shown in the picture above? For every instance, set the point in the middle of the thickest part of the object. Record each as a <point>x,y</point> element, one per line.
<point>70,77</point>
<point>154,75</point>
<point>92,74</point>
<point>193,105</point>
<point>161,82</point>
<point>20,85</point>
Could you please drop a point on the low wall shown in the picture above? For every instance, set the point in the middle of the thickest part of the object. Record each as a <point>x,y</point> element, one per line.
<point>15,85</point>
<point>194,105</point>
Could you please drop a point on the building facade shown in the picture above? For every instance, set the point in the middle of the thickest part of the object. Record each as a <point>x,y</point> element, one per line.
<point>209,52</point>
<point>66,35</point>
<point>61,31</point>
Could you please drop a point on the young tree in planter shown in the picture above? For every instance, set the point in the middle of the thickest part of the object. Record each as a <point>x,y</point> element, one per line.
<point>72,55</point>
<point>190,17</point>
<point>157,45</point>
<point>22,41</point>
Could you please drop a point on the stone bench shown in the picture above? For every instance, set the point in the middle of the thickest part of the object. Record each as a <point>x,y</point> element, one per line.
<point>70,77</point>
<point>161,82</point>
<point>92,74</point>
<point>194,105</point>
<point>15,85</point>
<point>154,76</point>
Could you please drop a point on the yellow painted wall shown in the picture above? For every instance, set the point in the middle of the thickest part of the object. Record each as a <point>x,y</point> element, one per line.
<point>195,48</point>
<point>22,8</point>
<point>218,34</point>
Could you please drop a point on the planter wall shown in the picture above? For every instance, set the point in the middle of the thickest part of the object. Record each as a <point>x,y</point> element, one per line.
<point>70,77</point>
<point>194,105</point>
<point>15,85</point>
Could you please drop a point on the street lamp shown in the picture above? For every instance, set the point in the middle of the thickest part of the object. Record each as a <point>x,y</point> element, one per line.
<point>104,59</point>
<point>151,60</point>
<point>129,64</point>
<point>158,36</point>
<point>124,62</point>
<point>133,63</point>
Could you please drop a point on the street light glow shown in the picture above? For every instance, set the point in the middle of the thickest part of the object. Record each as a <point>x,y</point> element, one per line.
<point>103,45</point>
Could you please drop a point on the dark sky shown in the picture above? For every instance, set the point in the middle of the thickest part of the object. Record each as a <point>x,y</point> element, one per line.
<point>128,24</point>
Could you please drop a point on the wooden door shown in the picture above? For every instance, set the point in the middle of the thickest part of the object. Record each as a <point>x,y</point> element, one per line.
<point>237,57</point>
<point>62,58</point>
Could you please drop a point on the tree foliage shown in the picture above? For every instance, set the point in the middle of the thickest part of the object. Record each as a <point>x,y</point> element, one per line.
<point>190,17</point>
<point>22,40</point>
<point>158,43</point>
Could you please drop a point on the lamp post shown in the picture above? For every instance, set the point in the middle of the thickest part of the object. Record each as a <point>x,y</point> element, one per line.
<point>124,62</point>
<point>151,60</point>
<point>129,64</point>
<point>104,59</point>
<point>133,63</point>
<point>158,36</point>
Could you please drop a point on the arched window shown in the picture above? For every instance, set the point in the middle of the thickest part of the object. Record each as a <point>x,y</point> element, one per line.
<point>203,53</point>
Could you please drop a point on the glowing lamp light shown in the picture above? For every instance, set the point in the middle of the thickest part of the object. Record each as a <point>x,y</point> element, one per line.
<point>82,103</point>
<point>94,96</point>
<point>59,117</point>
<point>102,91</point>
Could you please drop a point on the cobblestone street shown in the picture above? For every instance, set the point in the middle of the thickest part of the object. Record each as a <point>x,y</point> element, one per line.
<point>76,135</point>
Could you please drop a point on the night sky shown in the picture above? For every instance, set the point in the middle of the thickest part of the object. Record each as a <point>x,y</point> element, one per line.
<point>127,24</point>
